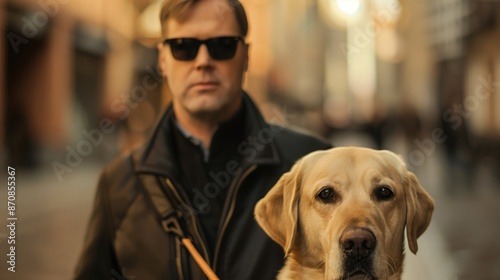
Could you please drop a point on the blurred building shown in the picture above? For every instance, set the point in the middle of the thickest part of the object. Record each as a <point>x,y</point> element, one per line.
<point>465,36</point>
<point>69,66</point>
<point>482,82</point>
<point>385,67</point>
<point>341,65</point>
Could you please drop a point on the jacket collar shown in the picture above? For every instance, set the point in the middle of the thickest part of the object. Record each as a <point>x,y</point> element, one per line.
<point>258,147</point>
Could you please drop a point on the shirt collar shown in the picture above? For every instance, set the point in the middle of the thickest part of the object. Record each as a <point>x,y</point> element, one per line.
<point>158,155</point>
<point>194,140</point>
<point>226,137</point>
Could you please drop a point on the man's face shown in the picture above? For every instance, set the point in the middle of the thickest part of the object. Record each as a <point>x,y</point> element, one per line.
<point>204,87</point>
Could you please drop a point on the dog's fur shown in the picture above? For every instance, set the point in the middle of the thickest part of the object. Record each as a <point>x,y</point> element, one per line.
<point>313,231</point>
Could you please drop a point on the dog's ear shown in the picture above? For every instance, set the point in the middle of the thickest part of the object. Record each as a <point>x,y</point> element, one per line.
<point>419,208</point>
<point>277,212</point>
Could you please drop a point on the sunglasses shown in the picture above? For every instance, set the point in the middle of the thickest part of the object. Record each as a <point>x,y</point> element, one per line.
<point>219,48</point>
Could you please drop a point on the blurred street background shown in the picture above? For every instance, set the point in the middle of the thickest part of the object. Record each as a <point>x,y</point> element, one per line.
<point>79,86</point>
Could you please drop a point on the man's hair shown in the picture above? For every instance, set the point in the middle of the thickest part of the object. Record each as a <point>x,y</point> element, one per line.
<point>178,10</point>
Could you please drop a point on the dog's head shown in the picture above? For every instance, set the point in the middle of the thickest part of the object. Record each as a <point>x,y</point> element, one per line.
<point>344,211</point>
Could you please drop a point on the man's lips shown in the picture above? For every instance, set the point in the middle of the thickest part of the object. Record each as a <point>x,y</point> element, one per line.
<point>205,85</point>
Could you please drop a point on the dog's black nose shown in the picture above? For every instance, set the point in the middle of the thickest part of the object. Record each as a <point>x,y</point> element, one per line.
<point>357,242</point>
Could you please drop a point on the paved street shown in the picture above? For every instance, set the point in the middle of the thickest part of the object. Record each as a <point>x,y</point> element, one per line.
<point>461,243</point>
<point>51,222</point>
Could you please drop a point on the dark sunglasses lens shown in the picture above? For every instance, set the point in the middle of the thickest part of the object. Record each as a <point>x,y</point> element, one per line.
<point>222,48</point>
<point>184,49</point>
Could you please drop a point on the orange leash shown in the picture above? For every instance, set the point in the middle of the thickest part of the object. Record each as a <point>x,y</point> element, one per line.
<point>199,259</point>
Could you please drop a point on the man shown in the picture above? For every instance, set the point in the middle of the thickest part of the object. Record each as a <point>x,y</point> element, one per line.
<point>211,158</point>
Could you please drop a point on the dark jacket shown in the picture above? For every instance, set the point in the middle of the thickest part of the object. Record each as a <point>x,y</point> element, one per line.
<point>125,238</point>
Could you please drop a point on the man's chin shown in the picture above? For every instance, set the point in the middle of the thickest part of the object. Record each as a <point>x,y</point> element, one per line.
<point>212,108</point>
<point>206,113</point>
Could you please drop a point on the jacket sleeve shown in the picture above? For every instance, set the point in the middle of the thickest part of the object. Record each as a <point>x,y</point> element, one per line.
<point>98,260</point>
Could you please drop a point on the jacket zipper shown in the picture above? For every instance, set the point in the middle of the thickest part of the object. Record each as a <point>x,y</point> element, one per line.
<point>230,213</point>
<point>200,240</point>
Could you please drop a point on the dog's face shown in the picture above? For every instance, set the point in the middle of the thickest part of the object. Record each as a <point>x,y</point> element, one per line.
<point>344,211</point>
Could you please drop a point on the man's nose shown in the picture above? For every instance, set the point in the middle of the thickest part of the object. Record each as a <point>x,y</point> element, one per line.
<point>203,58</point>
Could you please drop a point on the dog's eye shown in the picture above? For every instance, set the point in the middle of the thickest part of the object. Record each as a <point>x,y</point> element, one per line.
<point>384,193</point>
<point>326,194</point>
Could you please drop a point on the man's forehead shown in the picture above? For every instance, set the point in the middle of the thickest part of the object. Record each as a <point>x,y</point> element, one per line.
<point>204,18</point>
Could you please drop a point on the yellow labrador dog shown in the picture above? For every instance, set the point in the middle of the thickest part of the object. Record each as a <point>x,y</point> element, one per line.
<point>341,214</point>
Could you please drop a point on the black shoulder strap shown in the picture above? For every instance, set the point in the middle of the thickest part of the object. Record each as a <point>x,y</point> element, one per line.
<point>163,203</point>
<point>171,217</point>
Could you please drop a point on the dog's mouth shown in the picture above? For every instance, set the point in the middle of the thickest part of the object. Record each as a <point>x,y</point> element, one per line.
<point>358,269</point>
<point>360,274</point>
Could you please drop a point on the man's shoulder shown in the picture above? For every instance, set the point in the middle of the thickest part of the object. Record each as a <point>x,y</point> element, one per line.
<point>296,136</point>
<point>122,166</point>
<point>119,168</point>
<point>295,143</point>
<point>119,186</point>
<point>119,181</point>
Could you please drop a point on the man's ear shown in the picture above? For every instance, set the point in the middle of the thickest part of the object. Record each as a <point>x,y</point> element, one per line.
<point>277,212</point>
<point>161,59</point>
<point>419,208</point>
<point>247,57</point>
